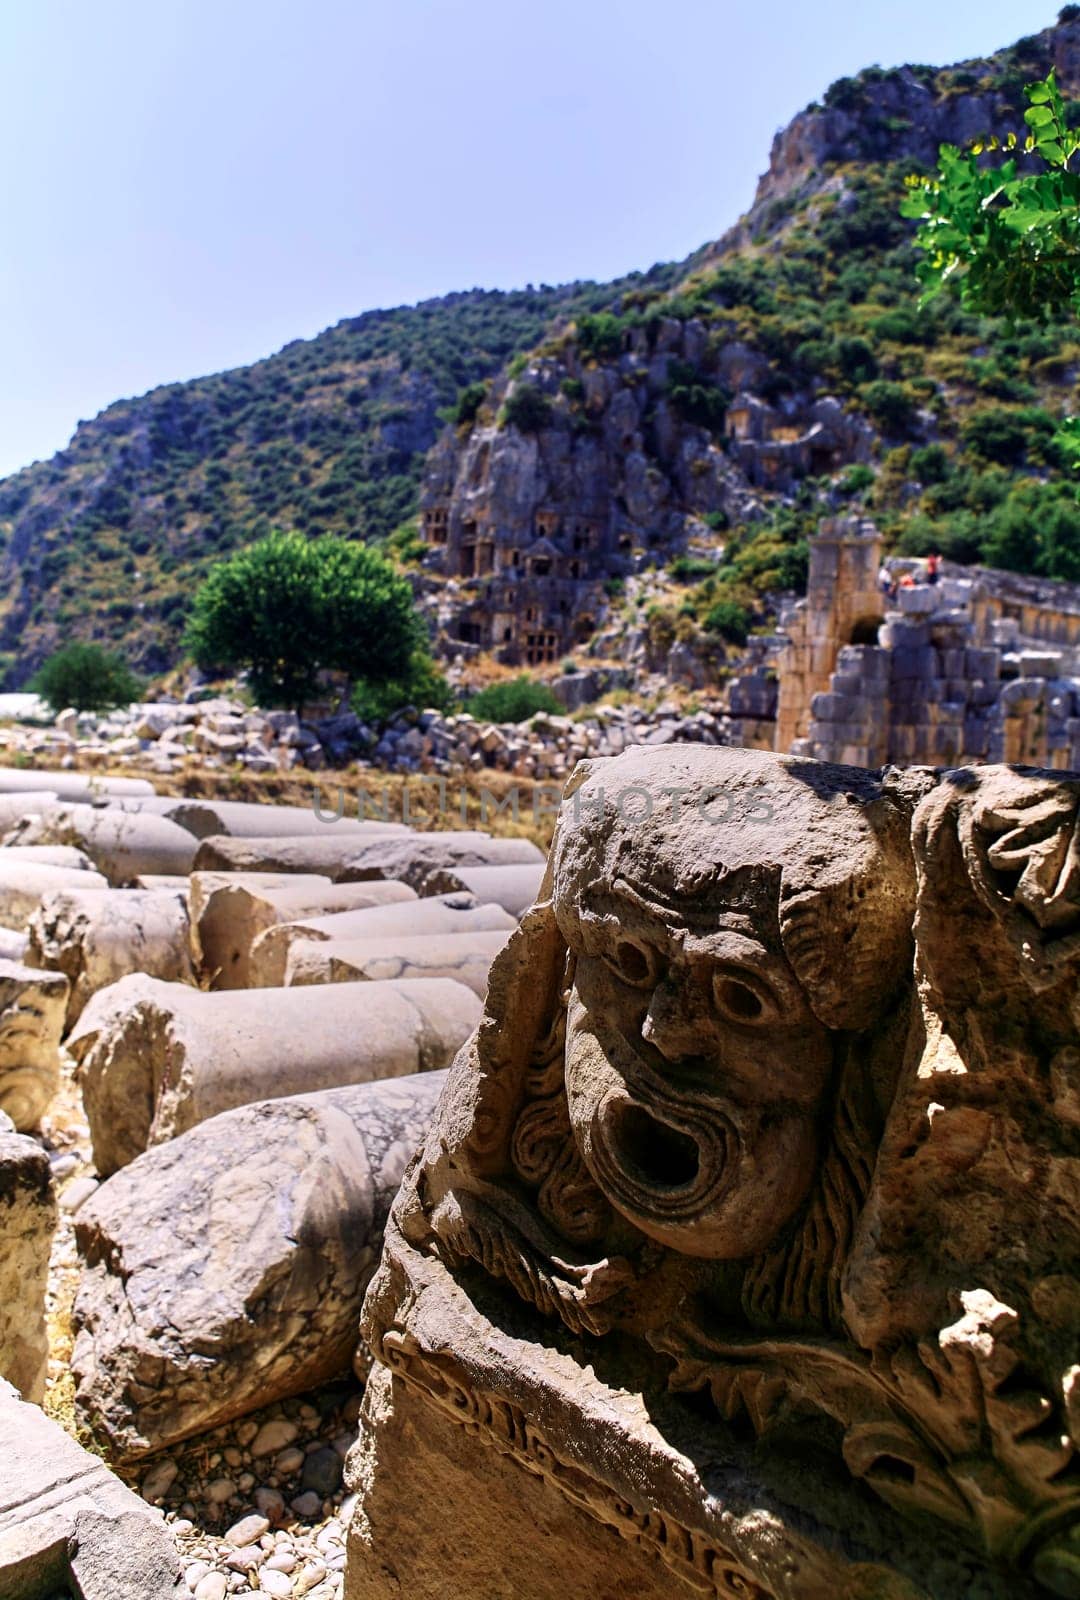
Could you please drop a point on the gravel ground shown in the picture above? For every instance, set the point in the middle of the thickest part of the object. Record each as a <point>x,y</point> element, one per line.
<point>257,1506</point>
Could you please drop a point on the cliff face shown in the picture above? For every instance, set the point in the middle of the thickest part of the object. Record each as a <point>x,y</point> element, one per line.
<point>109,537</point>
<point>790,353</point>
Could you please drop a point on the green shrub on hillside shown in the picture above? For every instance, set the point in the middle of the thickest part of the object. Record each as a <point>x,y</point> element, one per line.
<point>526,408</point>
<point>730,620</point>
<point>86,677</point>
<point>516,700</point>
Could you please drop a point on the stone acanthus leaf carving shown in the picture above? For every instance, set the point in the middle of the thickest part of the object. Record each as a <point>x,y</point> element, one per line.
<point>792,1101</point>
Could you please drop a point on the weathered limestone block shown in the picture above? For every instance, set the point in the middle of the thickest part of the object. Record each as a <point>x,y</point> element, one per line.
<point>226,1269</point>
<point>98,936</point>
<point>23,884</point>
<point>27,1225</point>
<point>32,1009</point>
<point>327,853</point>
<point>445,914</point>
<point>158,1058</point>
<point>467,957</point>
<point>68,1526</point>
<point>230,911</point>
<point>121,844</point>
<point>412,857</point>
<point>740,1258</point>
<point>512,887</point>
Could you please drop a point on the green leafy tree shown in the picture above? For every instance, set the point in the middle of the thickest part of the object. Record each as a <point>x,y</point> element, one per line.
<point>87,677</point>
<point>288,608</point>
<point>527,408</point>
<point>1009,240</point>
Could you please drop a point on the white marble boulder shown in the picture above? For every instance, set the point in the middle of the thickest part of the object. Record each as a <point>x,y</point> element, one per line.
<point>226,1269</point>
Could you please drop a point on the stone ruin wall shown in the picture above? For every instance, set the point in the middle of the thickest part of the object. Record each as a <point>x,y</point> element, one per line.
<point>984,666</point>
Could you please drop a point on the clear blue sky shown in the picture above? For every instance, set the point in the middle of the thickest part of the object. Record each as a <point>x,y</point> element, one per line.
<point>188,184</point>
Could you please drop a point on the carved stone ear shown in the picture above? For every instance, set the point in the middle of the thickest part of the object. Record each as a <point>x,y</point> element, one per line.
<point>847,932</point>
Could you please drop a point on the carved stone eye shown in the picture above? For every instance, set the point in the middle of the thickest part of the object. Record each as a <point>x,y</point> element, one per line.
<point>632,963</point>
<point>741,1001</point>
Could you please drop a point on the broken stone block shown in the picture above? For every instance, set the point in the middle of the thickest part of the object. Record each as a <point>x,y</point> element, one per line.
<point>411,857</point>
<point>740,1256</point>
<point>326,853</point>
<point>32,1010</point>
<point>465,957</point>
<point>454,913</point>
<point>121,844</point>
<point>512,887</point>
<point>68,1526</point>
<point>157,1058</point>
<point>99,936</point>
<point>13,944</point>
<point>226,1269</point>
<point>27,1224</point>
<point>24,884</point>
<point>48,855</point>
<point>230,911</point>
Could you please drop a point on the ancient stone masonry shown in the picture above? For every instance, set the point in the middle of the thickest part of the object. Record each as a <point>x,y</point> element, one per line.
<point>981,666</point>
<point>740,1257</point>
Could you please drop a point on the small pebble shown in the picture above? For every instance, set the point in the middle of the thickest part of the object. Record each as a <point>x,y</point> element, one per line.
<point>273,1582</point>
<point>307,1505</point>
<point>245,1482</point>
<point>322,1471</point>
<point>289,1461</point>
<point>194,1574</point>
<point>77,1194</point>
<point>270,1503</point>
<point>280,1561</point>
<point>274,1436</point>
<point>246,1531</point>
<point>245,1432</point>
<point>215,1586</point>
<point>63,1162</point>
<point>218,1490</point>
<point>159,1480</point>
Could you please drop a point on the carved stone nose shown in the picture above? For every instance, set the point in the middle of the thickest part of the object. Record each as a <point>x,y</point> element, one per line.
<point>669,1027</point>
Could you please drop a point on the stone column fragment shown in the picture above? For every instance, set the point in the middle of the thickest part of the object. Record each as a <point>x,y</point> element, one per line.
<point>466,957</point>
<point>253,1236</point>
<point>32,1007</point>
<point>445,914</point>
<point>158,1058</point>
<point>96,937</point>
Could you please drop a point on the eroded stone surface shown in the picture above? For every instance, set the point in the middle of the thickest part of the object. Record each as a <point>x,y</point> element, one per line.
<point>226,1269</point>
<point>97,936</point>
<point>32,1009</point>
<point>748,1221</point>
<point>27,1224</point>
<point>157,1058</point>
<point>68,1526</point>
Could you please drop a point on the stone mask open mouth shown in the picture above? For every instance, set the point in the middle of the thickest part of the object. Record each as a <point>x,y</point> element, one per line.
<point>659,1160</point>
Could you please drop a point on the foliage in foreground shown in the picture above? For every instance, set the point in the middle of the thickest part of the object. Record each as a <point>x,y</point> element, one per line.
<point>86,677</point>
<point>288,608</point>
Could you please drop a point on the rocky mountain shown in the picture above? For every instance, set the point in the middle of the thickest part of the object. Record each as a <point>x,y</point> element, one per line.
<point>697,418</point>
<point>706,427</point>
